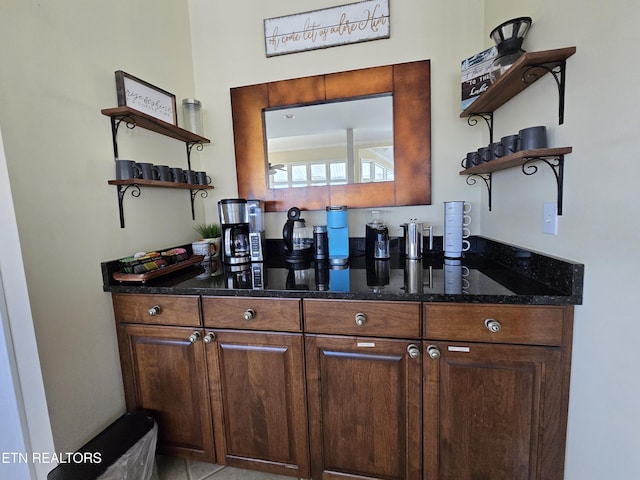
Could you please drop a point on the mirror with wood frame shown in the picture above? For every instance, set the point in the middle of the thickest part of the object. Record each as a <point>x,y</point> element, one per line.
<point>409,85</point>
<point>333,143</point>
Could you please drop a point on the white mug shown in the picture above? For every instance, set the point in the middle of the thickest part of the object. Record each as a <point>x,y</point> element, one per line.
<point>457,207</point>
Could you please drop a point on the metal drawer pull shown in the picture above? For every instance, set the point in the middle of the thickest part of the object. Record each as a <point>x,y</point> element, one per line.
<point>492,325</point>
<point>433,352</point>
<point>155,310</point>
<point>361,319</point>
<point>194,337</point>
<point>249,314</point>
<point>414,351</point>
<point>209,337</point>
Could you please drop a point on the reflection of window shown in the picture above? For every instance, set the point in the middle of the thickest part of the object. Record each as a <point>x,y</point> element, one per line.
<point>304,174</point>
<point>372,171</point>
<point>319,172</point>
<point>338,173</point>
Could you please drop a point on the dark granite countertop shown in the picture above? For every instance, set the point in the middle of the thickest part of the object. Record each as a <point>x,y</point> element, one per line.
<point>491,272</point>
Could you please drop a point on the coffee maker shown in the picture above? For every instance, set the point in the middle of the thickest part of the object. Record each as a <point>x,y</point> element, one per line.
<point>234,223</point>
<point>256,230</point>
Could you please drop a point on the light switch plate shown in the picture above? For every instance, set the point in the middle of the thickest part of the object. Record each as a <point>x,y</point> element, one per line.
<point>550,221</point>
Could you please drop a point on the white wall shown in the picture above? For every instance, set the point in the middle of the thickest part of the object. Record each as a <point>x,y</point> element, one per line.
<point>58,61</point>
<point>599,207</point>
<point>599,225</point>
<point>228,49</point>
<point>24,423</point>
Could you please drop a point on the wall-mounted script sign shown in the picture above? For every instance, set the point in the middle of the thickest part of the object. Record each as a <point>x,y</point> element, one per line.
<point>352,23</point>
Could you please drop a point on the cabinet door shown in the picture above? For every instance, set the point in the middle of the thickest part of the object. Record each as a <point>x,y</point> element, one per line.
<point>365,406</point>
<point>493,411</point>
<point>164,372</point>
<point>257,392</point>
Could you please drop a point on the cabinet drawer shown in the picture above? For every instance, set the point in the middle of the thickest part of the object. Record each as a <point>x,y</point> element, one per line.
<point>382,319</point>
<point>246,313</point>
<point>522,324</point>
<point>157,309</point>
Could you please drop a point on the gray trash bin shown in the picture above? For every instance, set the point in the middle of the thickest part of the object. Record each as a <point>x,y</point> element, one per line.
<point>124,450</point>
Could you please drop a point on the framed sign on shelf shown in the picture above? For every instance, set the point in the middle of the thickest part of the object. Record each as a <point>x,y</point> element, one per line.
<point>146,98</point>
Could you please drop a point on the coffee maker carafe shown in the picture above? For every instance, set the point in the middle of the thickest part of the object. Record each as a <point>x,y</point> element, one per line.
<point>234,223</point>
<point>297,238</point>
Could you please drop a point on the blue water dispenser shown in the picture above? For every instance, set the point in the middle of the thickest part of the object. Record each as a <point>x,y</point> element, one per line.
<point>338,233</point>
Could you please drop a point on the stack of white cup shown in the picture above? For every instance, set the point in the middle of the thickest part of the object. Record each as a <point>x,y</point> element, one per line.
<point>456,221</point>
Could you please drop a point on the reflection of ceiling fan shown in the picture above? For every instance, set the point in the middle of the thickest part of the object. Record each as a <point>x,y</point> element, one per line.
<point>274,168</point>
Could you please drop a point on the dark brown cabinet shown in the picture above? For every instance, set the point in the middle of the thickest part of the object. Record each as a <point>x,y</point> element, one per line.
<point>495,410</point>
<point>164,369</point>
<point>164,372</point>
<point>365,400</point>
<point>257,384</point>
<point>358,390</point>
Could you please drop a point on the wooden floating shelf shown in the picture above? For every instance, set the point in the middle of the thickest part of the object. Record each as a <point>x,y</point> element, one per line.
<point>157,183</point>
<point>527,69</point>
<point>155,125</point>
<point>516,159</point>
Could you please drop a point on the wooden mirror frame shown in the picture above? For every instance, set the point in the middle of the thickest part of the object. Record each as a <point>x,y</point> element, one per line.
<point>410,84</point>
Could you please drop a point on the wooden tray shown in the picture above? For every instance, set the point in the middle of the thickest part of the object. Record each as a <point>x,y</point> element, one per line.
<point>159,272</point>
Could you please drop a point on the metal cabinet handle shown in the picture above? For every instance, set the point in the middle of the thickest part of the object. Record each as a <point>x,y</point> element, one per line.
<point>433,352</point>
<point>414,351</point>
<point>194,337</point>
<point>492,325</point>
<point>209,337</point>
<point>155,310</point>
<point>249,314</point>
<point>361,319</point>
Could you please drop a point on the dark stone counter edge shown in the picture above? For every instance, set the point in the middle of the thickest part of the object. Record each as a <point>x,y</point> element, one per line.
<point>561,275</point>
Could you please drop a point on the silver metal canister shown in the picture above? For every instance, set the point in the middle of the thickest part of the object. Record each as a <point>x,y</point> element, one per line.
<point>413,239</point>
<point>320,242</point>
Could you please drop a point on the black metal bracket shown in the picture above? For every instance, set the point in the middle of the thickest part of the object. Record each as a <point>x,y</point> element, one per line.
<point>203,194</point>
<point>199,146</point>
<point>558,71</point>
<point>122,190</point>
<point>487,178</point>
<point>487,117</point>
<point>557,166</point>
<point>115,124</point>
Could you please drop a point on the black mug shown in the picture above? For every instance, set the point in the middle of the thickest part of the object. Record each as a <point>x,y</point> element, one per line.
<point>177,175</point>
<point>127,169</point>
<point>484,155</point>
<point>471,160</point>
<point>203,178</point>
<point>533,138</point>
<point>493,150</point>
<point>508,145</point>
<point>161,172</point>
<point>146,170</point>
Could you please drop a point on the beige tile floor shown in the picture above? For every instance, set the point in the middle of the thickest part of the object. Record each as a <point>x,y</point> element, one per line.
<point>171,468</point>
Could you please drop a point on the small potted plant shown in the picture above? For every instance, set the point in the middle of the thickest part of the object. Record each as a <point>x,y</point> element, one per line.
<point>211,233</point>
